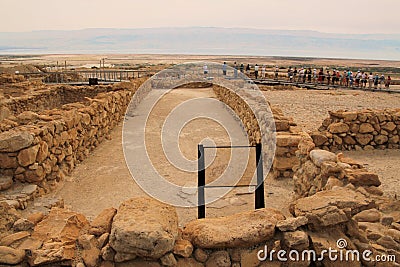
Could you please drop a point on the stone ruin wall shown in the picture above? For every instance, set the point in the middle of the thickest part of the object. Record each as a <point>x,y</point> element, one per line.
<point>364,129</point>
<point>287,137</point>
<point>39,148</point>
<point>50,98</point>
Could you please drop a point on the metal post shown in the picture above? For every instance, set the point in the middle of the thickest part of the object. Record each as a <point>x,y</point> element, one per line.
<point>259,197</point>
<point>201,172</point>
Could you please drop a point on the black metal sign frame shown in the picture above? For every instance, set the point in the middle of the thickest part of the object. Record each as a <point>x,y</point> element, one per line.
<point>259,193</point>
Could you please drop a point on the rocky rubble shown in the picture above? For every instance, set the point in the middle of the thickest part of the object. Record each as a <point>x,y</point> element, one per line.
<point>144,232</point>
<point>323,170</point>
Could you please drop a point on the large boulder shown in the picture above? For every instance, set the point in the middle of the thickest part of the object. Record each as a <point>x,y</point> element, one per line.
<point>320,156</point>
<point>12,141</point>
<point>240,230</point>
<point>327,208</point>
<point>143,227</point>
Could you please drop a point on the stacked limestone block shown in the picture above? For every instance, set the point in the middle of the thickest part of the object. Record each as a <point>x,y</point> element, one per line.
<point>364,129</point>
<point>46,145</point>
<point>287,137</point>
<point>322,170</point>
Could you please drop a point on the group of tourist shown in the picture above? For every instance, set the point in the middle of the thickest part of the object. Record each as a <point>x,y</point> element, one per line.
<point>346,78</point>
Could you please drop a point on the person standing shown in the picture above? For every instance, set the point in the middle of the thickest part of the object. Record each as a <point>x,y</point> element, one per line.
<point>235,70</point>
<point>388,81</point>
<point>315,76</point>
<point>363,80</point>
<point>276,72</point>
<point>376,81</point>
<point>309,74</point>
<point>241,68</point>
<point>358,78</point>
<point>333,77</point>
<point>248,69</point>
<point>381,81</point>
<point>370,80</point>
<point>320,76</point>
<point>328,77</point>
<point>344,79</point>
<point>205,70</point>
<point>224,67</point>
<point>301,75</point>
<point>256,71</point>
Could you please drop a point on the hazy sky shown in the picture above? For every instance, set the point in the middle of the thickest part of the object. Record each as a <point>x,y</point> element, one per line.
<point>339,16</point>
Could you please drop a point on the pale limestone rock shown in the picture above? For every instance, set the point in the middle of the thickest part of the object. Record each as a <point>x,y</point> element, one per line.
<point>372,215</point>
<point>332,207</point>
<point>28,156</point>
<point>12,141</point>
<point>242,229</point>
<point>102,223</point>
<point>291,224</point>
<point>320,156</point>
<point>296,240</point>
<point>144,227</point>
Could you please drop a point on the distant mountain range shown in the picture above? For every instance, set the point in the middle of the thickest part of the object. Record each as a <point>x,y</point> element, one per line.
<point>204,41</point>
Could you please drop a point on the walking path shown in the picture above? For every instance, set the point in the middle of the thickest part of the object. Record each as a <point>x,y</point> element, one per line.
<point>104,180</point>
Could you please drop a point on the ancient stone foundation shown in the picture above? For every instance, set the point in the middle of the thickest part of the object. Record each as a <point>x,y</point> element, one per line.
<point>40,147</point>
<point>365,129</point>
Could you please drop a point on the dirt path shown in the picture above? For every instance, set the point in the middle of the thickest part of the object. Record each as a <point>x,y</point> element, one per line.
<point>103,180</point>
